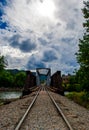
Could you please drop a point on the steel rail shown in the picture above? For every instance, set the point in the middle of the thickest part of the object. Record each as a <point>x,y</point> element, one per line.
<point>60,111</point>
<point>27,111</point>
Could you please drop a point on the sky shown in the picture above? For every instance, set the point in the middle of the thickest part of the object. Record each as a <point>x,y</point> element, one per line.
<point>41,33</point>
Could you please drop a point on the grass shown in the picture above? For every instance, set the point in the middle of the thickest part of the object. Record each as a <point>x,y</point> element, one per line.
<point>1,102</point>
<point>82,98</point>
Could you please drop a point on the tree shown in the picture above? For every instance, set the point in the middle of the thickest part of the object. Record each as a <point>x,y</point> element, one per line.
<point>19,80</point>
<point>6,79</point>
<point>2,62</point>
<point>83,53</point>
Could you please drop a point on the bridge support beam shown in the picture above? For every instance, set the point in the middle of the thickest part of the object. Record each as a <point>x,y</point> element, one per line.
<point>30,82</point>
<point>56,82</point>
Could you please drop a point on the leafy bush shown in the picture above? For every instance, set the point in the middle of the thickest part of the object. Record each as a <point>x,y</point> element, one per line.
<point>6,79</point>
<point>78,87</point>
<point>20,79</point>
<point>81,98</point>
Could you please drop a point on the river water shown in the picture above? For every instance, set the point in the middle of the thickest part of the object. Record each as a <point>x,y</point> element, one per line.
<point>13,94</point>
<point>10,95</point>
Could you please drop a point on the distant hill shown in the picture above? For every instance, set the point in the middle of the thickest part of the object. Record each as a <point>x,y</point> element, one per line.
<point>14,71</point>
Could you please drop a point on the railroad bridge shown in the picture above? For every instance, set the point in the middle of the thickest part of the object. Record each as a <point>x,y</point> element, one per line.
<point>42,76</point>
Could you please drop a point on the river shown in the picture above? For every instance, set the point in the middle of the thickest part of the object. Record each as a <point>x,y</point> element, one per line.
<point>10,95</point>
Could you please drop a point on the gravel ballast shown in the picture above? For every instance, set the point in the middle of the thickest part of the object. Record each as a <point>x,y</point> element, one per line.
<point>77,115</point>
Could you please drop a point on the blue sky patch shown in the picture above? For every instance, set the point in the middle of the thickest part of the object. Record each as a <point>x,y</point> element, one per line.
<point>3,25</point>
<point>3,2</point>
<point>1,13</point>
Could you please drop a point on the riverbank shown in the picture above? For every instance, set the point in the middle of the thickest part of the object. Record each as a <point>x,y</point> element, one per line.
<point>82,98</point>
<point>10,89</point>
<point>9,96</point>
<point>7,101</point>
<point>4,102</point>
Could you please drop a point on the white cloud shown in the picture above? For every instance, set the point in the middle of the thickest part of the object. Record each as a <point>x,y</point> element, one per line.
<point>57,29</point>
<point>27,16</point>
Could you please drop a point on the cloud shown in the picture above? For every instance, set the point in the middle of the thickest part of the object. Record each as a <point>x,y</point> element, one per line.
<point>67,39</point>
<point>43,41</point>
<point>25,45</point>
<point>14,41</point>
<point>34,63</point>
<point>37,39</point>
<point>49,56</point>
<point>13,62</point>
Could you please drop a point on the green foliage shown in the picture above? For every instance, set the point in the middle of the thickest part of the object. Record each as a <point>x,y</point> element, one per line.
<point>73,85</point>
<point>78,87</point>
<point>2,63</point>
<point>10,80</point>
<point>6,79</point>
<point>85,97</point>
<point>81,98</point>
<point>20,79</point>
<point>83,53</point>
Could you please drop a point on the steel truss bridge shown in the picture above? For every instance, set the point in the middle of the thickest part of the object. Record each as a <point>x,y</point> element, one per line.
<point>43,77</point>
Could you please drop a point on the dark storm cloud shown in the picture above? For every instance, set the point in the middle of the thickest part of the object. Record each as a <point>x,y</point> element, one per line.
<point>33,63</point>
<point>67,40</point>
<point>14,41</point>
<point>24,46</point>
<point>43,41</point>
<point>27,46</point>
<point>49,56</point>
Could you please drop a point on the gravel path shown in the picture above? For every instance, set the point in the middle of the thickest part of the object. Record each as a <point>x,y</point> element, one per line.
<point>11,113</point>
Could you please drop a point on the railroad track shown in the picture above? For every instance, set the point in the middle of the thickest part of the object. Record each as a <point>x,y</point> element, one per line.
<point>27,111</point>
<point>60,112</point>
<point>37,111</point>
